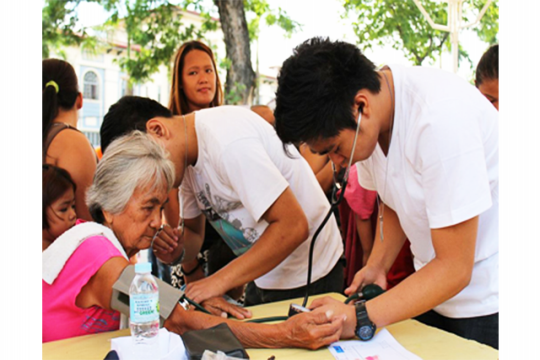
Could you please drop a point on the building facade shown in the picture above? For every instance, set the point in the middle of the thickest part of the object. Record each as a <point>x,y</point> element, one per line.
<point>103,83</point>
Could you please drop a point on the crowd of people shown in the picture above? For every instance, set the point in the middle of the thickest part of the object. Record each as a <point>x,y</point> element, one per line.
<point>228,199</point>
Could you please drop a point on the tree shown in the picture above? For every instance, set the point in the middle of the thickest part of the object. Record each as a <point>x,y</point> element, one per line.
<point>400,23</point>
<point>154,30</point>
<point>239,34</point>
<point>59,27</point>
<point>259,9</point>
<point>240,75</point>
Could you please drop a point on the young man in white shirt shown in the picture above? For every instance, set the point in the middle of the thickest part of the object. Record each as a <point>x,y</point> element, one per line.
<point>427,142</point>
<point>265,205</point>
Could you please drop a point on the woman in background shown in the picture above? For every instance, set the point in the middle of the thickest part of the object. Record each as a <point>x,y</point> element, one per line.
<point>196,85</point>
<point>195,82</point>
<point>68,149</point>
<point>487,75</point>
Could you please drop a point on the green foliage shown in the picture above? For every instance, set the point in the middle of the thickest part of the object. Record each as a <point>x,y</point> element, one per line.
<point>235,95</point>
<point>400,24</point>
<point>59,27</point>
<point>225,64</point>
<point>260,9</point>
<point>488,29</point>
<point>153,27</point>
<point>155,31</point>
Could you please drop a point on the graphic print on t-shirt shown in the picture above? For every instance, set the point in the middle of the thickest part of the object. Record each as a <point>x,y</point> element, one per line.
<point>238,238</point>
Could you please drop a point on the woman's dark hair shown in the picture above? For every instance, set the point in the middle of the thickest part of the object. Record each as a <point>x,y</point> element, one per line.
<point>56,181</point>
<point>59,89</point>
<point>316,90</point>
<point>488,66</point>
<point>177,100</point>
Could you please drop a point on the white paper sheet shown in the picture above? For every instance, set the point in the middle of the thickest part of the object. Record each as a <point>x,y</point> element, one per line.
<point>383,346</point>
<point>171,347</point>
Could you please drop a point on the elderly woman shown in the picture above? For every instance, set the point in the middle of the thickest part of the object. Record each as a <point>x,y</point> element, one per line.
<point>79,268</point>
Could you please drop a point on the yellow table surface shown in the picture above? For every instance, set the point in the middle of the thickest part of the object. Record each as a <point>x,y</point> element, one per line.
<point>427,342</point>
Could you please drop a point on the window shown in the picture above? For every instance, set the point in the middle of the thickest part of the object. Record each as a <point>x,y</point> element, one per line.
<point>91,86</point>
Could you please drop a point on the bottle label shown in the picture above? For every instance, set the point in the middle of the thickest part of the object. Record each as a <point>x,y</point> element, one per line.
<point>144,307</point>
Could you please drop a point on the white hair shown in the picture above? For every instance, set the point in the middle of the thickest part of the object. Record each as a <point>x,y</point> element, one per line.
<point>132,161</point>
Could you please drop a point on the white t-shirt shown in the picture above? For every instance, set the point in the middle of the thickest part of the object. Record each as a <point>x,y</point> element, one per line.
<point>443,169</point>
<point>240,172</point>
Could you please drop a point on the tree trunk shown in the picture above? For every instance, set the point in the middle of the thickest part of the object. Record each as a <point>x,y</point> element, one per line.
<point>240,76</point>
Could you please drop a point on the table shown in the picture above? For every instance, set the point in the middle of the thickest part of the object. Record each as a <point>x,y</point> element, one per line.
<point>427,342</point>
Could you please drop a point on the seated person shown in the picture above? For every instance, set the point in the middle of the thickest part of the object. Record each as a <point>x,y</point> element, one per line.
<point>265,205</point>
<point>487,75</point>
<point>126,200</point>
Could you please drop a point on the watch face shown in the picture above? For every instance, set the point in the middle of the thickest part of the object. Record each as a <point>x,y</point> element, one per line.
<point>365,332</point>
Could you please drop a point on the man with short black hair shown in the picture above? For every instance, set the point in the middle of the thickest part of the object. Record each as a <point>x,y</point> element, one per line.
<point>266,206</point>
<point>427,142</point>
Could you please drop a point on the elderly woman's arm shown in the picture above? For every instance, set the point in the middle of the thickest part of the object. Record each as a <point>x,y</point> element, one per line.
<point>98,291</point>
<point>307,330</point>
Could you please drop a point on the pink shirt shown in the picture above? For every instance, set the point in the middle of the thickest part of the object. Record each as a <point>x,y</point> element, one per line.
<point>360,200</point>
<point>61,317</point>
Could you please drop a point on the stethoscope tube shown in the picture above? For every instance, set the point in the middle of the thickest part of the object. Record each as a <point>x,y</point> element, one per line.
<point>333,206</point>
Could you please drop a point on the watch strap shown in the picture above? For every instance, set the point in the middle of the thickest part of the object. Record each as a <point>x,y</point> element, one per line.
<point>362,318</point>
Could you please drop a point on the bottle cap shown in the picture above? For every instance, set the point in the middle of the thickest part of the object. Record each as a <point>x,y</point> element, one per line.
<point>141,268</point>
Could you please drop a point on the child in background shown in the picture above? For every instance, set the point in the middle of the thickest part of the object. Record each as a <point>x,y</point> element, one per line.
<point>58,204</point>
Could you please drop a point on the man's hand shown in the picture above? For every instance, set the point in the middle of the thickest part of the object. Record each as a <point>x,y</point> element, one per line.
<point>327,305</point>
<point>220,307</point>
<point>312,330</point>
<point>205,289</point>
<point>369,274</point>
<point>168,244</point>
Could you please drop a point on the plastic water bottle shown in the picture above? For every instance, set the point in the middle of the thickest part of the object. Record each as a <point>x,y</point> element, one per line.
<point>144,313</point>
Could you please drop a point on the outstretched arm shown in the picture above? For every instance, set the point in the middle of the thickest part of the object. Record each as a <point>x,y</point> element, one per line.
<point>287,229</point>
<point>441,279</point>
<point>308,330</point>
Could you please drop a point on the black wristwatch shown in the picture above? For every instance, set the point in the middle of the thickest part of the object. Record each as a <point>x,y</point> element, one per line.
<point>365,329</point>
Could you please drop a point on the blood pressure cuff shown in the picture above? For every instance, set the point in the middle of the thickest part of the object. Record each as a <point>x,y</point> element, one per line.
<point>168,295</point>
<point>217,338</point>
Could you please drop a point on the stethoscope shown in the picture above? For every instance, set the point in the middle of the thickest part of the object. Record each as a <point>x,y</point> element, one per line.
<point>335,201</point>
